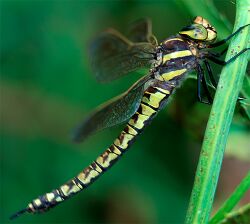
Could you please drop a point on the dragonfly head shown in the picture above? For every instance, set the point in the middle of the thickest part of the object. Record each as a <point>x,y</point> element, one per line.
<point>200,30</point>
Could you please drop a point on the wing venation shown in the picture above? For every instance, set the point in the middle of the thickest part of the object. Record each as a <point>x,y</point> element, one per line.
<point>113,112</point>
<point>112,55</point>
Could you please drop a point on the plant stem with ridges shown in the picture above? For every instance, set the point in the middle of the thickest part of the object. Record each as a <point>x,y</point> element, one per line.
<point>219,122</point>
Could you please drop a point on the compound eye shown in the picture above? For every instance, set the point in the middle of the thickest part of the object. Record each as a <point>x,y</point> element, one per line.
<point>195,31</point>
<point>199,34</point>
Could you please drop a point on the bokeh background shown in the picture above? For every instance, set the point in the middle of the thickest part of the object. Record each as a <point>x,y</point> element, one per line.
<point>47,89</point>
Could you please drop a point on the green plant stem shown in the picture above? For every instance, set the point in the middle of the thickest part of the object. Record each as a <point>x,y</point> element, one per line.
<point>229,204</point>
<point>219,123</point>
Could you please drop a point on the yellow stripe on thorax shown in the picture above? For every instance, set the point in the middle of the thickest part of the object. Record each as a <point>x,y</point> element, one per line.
<point>170,75</point>
<point>163,90</point>
<point>173,39</point>
<point>176,54</point>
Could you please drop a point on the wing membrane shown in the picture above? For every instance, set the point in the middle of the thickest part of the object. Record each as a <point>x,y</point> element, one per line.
<point>114,112</point>
<point>141,31</point>
<point>113,55</point>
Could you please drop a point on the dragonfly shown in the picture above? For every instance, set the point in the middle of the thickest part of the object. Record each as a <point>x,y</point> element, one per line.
<point>112,56</point>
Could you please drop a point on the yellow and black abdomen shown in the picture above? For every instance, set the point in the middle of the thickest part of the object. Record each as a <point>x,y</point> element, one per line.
<point>153,99</point>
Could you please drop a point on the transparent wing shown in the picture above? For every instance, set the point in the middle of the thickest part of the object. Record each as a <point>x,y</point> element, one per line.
<point>114,112</point>
<point>112,55</point>
<point>141,31</point>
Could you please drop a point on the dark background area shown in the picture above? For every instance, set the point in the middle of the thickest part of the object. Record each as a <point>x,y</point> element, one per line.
<point>47,89</point>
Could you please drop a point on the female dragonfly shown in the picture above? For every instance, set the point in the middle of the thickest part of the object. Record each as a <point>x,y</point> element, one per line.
<point>113,55</point>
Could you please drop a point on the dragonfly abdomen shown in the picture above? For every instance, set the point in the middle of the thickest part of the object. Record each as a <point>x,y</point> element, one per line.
<point>153,99</point>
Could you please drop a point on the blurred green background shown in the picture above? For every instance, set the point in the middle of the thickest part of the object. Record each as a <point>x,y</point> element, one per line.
<point>47,89</point>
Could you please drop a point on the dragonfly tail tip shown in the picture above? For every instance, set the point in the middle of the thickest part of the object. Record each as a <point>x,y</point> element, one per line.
<point>17,214</point>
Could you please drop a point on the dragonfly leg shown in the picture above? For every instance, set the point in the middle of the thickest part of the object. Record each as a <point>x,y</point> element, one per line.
<point>222,52</point>
<point>202,82</point>
<point>219,54</point>
<point>210,74</point>
<point>213,58</point>
<point>219,43</point>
